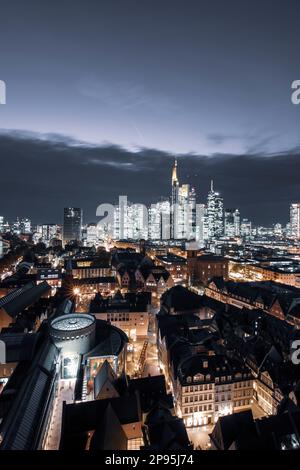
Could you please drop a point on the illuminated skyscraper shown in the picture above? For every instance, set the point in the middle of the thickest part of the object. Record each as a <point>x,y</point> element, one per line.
<point>295,220</point>
<point>130,221</point>
<point>214,214</point>
<point>48,231</point>
<point>246,229</point>
<point>232,223</point>
<point>72,224</point>
<point>174,202</point>
<point>183,209</point>
<point>25,225</point>
<point>200,233</point>
<point>137,222</point>
<point>278,230</point>
<point>186,212</point>
<point>92,235</point>
<point>159,221</point>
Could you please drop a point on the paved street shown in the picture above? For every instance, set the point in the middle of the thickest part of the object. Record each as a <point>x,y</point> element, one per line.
<point>65,392</point>
<point>200,437</point>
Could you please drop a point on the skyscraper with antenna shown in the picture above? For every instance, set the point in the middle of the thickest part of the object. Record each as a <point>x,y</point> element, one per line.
<point>174,201</point>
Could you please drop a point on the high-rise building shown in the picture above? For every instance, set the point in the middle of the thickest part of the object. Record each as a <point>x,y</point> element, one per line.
<point>186,213</point>
<point>183,209</point>
<point>6,227</point>
<point>295,220</point>
<point>174,202</point>
<point>130,221</point>
<point>92,235</point>
<point>137,222</point>
<point>246,229</point>
<point>192,213</point>
<point>232,223</point>
<point>25,225</point>
<point>214,214</point>
<point>278,230</point>
<point>200,233</point>
<point>1,224</point>
<point>159,221</point>
<point>72,224</point>
<point>16,227</point>
<point>47,232</point>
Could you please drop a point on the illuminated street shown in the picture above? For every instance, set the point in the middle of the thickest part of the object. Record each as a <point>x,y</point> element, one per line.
<point>199,436</point>
<point>65,393</point>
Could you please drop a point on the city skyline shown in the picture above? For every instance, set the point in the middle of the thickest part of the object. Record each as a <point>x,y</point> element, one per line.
<point>107,172</point>
<point>178,217</point>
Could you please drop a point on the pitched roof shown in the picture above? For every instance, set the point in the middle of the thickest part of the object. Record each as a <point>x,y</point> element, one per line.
<point>19,299</point>
<point>106,373</point>
<point>22,424</point>
<point>109,434</point>
<point>165,431</point>
<point>19,346</point>
<point>181,299</point>
<point>80,418</point>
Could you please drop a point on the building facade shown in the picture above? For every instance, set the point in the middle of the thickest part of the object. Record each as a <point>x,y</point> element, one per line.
<point>72,224</point>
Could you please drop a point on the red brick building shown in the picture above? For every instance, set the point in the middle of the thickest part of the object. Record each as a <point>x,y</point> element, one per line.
<point>203,268</point>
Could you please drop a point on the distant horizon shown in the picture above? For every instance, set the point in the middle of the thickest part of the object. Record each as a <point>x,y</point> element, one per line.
<point>122,164</point>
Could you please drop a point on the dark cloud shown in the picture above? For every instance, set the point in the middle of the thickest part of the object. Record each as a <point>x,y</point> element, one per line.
<point>219,139</point>
<point>40,174</point>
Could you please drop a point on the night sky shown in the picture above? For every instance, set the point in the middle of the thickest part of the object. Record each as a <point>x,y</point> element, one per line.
<point>101,94</point>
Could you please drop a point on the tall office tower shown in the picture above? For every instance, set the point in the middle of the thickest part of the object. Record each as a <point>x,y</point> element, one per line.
<point>214,214</point>
<point>278,230</point>
<point>237,222</point>
<point>119,229</point>
<point>192,213</point>
<point>16,227</point>
<point>1,224</point>
<point>6,227</point>
<point>25,225</point>
<point>232,223</point>
<point>72,224</point>
<point>48,231</point>
<point>116,224</point>
<point>295,220</point>
<point>174,202</point>
<point>186,212</point>
<point>130,221</point>
<point>137,222</point>
<point>159,221</point>
<point>183,211</point>
<point>200,234</point>
<point>246,229</point>
<point>92,236</point>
